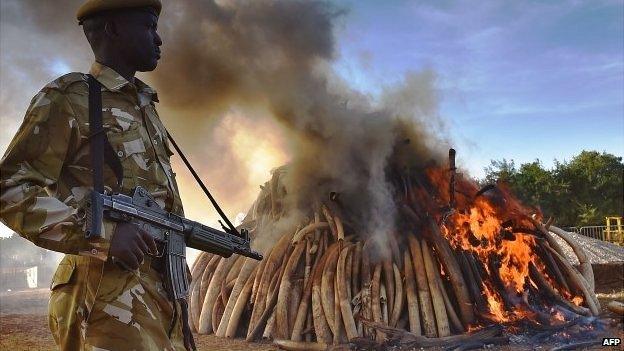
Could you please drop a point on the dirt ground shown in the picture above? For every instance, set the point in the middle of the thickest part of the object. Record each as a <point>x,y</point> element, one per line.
<point>23,326</point>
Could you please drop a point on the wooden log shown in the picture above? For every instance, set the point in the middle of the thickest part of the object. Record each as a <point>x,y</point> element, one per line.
<point>345,302</point>
<point>432,269</point>
<point>426,306</point>
<point>412,296</point>
<point>239,306</point>
<point>285,286</point>
<point>212,293</point>
<point>585,266</point>
<point>398,297</point>
<point>449,262</point>
<point>546,288</point>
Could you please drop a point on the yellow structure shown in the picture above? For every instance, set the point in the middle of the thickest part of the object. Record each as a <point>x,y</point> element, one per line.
<point>614,232</point>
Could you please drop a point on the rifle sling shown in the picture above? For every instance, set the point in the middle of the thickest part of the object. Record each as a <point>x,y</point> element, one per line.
<point>100,148</point>
<point>231,229</point>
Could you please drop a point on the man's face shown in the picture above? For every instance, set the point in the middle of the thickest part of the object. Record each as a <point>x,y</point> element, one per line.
<point>137,40</point>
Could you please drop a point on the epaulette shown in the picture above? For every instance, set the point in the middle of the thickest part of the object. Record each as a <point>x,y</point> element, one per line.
<point>65,81</point>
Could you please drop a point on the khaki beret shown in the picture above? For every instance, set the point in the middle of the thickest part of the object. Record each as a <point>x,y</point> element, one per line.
<point>91,7</point>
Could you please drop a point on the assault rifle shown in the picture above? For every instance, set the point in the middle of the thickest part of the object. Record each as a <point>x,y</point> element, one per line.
<point>173,232</point>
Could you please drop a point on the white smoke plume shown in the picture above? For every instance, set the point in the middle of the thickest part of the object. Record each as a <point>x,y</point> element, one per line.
<point>265,66</point>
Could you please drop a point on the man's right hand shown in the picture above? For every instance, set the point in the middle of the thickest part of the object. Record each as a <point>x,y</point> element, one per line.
<point>130,244</point>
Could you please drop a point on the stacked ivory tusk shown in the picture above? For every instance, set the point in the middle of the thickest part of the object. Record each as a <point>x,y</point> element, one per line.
<point>318,285</point>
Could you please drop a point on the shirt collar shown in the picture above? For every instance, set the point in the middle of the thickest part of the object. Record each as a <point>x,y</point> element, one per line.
<point>113,81</point>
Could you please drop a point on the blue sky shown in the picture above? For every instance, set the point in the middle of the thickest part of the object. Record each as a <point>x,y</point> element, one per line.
<point>518,79</point>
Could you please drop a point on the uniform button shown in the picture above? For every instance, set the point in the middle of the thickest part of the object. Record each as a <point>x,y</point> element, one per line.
<point>155,142</point>
<point>94,251</point>
<point>120,153</point>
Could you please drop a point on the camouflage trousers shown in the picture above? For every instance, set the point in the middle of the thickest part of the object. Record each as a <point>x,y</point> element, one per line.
<point>130,310</point>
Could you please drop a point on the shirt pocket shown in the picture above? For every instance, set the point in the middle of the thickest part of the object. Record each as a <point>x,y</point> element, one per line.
<point>119,120</point>
<point>129,147</point>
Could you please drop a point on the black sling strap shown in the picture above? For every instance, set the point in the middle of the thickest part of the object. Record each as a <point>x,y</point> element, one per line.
<point>96,144</point>
<point>230,227</point>
<point>100,148</point>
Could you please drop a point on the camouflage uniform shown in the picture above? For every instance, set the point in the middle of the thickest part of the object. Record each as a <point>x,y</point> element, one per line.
<point>94,305</point>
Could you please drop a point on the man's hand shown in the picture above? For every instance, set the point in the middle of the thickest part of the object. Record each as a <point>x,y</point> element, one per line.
<point>130,244</point>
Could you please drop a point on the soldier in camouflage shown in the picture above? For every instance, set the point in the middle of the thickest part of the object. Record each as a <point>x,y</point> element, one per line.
<point>46,171</point>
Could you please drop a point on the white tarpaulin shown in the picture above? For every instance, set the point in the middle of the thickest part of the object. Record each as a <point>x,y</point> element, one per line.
<point>31,277</point>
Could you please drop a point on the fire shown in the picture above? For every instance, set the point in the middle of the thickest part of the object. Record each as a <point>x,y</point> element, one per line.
<point>577,300</point>
<point>491,229</point>
<point>496,306</point>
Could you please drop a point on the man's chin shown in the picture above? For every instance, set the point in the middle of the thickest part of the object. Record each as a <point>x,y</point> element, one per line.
<point>149,67</point>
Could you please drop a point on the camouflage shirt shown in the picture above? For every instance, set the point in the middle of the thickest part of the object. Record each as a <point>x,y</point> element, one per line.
<point>46,169</point>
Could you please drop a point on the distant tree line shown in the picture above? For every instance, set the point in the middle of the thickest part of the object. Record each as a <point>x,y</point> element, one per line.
<point>581,191</point>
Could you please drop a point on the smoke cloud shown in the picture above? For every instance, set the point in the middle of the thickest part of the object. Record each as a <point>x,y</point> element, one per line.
<point>262,70</point>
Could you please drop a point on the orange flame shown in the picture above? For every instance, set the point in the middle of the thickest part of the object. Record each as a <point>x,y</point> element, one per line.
<point>486,228</point>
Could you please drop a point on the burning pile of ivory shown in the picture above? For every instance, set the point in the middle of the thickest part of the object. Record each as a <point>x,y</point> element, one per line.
<point>461,258</point>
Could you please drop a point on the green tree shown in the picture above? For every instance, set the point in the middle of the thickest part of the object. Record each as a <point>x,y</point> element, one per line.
<point>595,182</point>
<point>579,192</point>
